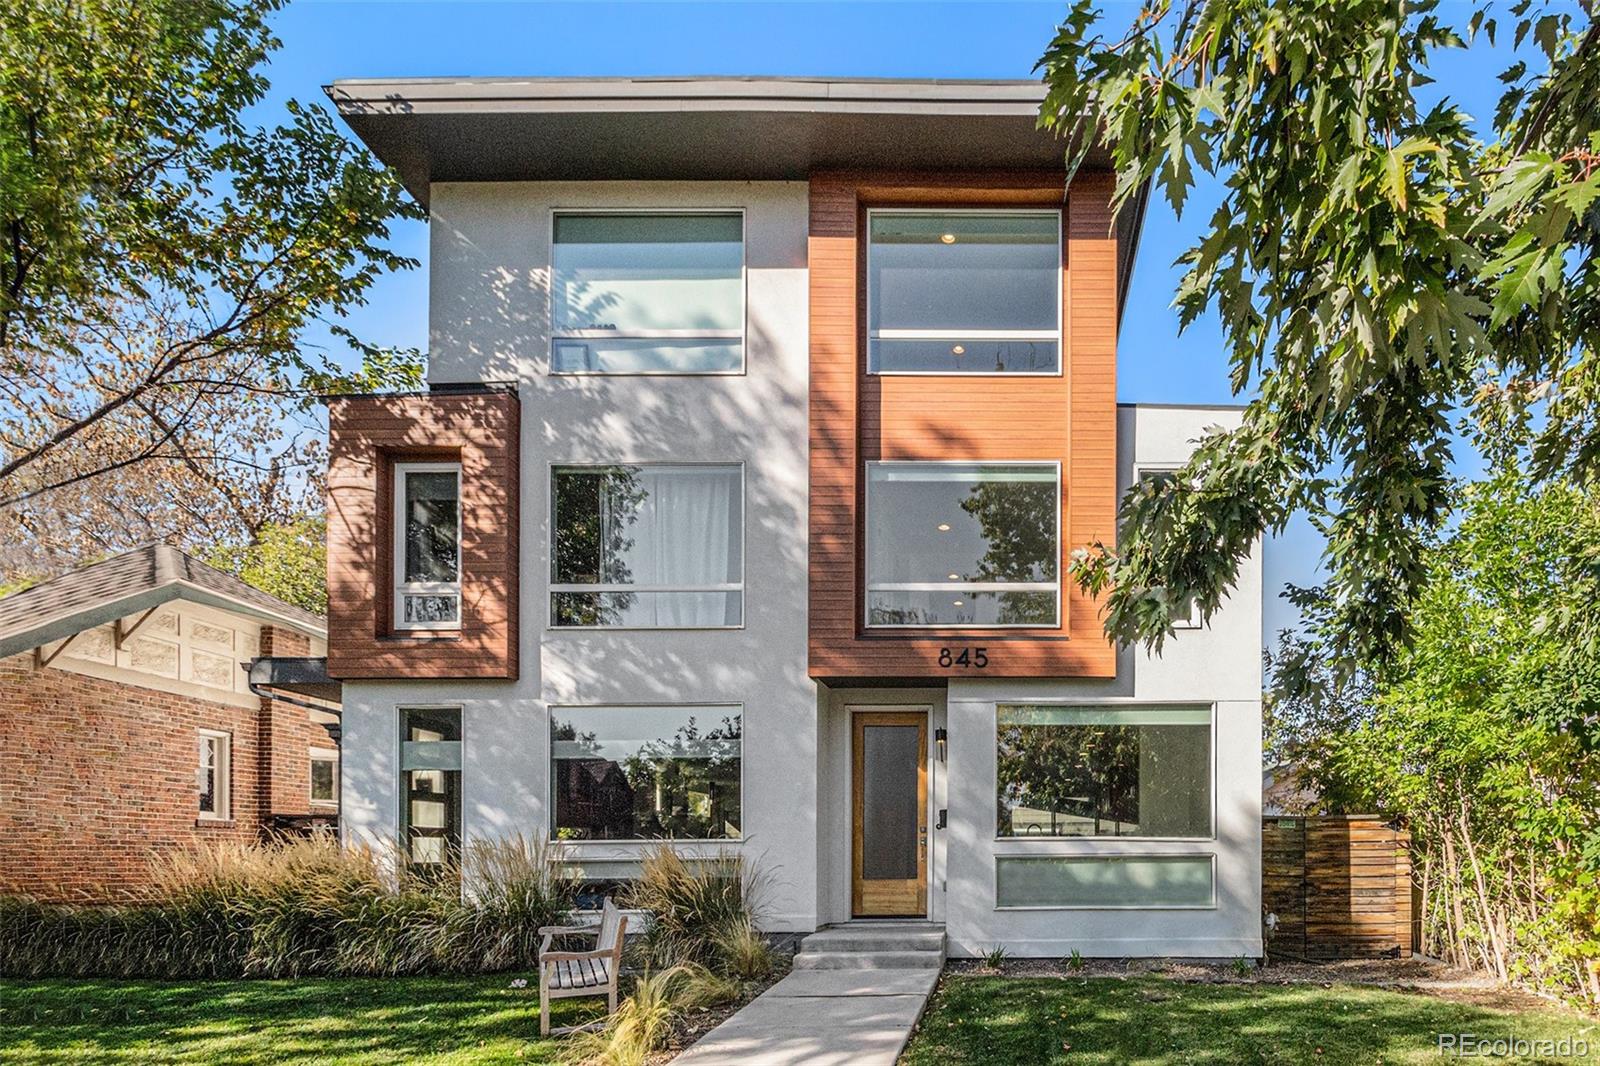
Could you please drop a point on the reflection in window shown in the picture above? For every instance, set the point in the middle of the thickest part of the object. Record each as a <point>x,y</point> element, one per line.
<point>963,544</point>
<point>430,780</point>
<point>427,548</point>
<point>649,546</point>
<point>1103,771</point>
<point>964,292</point>
<point>640,773</point>
<point>648,293</point>
<point>324,776</point>
<point>213,774</point>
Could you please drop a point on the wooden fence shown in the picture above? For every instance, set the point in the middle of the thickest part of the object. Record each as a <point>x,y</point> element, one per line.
<point>1340,887</point>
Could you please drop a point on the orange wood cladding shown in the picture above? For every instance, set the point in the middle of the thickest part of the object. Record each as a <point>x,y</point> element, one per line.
<point>367,435</point>
<point>856,417</point>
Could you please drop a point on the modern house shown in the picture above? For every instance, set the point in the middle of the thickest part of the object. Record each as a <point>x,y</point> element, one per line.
<point>764,418</point>
<point>132,728</point>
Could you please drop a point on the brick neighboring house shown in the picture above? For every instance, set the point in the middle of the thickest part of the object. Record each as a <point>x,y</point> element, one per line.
<point>132,727</point>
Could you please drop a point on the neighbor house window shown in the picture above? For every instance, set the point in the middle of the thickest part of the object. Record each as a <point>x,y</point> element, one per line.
<point>1188,617</point>
<point>1103,771</point>
<point>430,788</point>
<point>963,544</point>
<point>648,293</point>
<point>324,776</point>
<point>1114,882</point>
<point>647,546</point>
<point>964,292</point>
<point>641,773</point>
<point>427,545</point>
<point>214,773</point>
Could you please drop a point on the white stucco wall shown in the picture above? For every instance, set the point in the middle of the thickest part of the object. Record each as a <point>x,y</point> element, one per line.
<point>489,322</point>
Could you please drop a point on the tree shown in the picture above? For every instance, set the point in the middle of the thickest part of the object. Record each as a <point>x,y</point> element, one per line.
<point>1375,267</point>
<point>289,561</point>
<point>164,270</point>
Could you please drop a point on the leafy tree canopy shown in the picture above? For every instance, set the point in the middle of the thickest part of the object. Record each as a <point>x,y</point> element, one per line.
<point>287,560</point>
<point>1376,266</point>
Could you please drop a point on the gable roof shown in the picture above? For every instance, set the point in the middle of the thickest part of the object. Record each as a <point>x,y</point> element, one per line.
<point>128,584</point>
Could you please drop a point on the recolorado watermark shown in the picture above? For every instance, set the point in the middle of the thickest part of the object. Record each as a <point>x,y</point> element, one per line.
<point>1473,1046</point>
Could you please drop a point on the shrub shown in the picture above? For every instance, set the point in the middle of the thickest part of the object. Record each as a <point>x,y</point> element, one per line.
<point>644,1019</point>
<point>742,952</point>
<point>693,904</point>
<point>516,885</point>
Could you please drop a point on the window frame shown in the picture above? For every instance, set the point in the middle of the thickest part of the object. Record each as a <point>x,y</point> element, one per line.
<point>399,586</point>
<point>553,588</point>
<point>402,793</point>
<point>222,776</point>
<point>642,842</point>
<point>316,755</point>
<point>1059,336</point>
<point>867,585</point>
<point>1102,845</point>
<point>742,334</point>
<point>1168,856</point>
<point>1192,619</point>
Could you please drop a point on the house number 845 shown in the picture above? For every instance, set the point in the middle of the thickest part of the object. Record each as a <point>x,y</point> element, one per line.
<point>976,658</point>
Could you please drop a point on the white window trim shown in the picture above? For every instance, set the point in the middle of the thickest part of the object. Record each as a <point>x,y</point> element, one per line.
<point>555,587</point>
<point>324,755</point>
<point>1192,619</point>
<point>956,586</point>
<point>641,843</point>
<point>1100,845</point>
<point>559,335</point>
<point>422,588</point>
<point>975,335</point>
<point>222,776</point>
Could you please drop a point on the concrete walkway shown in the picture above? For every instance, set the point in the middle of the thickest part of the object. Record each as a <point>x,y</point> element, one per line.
<point>821,1018</point>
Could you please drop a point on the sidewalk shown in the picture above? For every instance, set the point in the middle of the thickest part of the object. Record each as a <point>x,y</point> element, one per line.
<point>821,1018</point>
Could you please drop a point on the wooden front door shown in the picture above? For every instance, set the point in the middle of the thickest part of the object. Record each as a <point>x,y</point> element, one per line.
<point>889,800</point>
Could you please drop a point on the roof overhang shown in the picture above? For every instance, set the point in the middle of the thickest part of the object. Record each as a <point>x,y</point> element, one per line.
<point>305,677</point>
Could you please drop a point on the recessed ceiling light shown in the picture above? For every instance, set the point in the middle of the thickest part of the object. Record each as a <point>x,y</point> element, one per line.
<point>947,238</point>
<point>958,603</point>
<point>958,350</point>
<point>944,527</point>
<point>953,577</point>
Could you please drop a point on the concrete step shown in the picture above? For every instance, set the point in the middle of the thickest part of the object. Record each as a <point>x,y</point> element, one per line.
<point>869,960</point>
<point>871,939</point>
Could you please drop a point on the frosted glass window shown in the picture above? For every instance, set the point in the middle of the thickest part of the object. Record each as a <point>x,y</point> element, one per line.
<point>963,544</point>
<point>427,546</point>
<point>964,292</point>
<point>1103,771</point>
<point>1119,882</point>
<point>647,293</point>
<point>658,546</point>
<point>642,773</point>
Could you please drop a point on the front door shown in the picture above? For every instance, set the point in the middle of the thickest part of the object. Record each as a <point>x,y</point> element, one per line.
<point>890,815</point>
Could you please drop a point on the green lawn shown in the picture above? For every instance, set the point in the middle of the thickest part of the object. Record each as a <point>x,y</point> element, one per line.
<point>1000,1020</point>
<point>450,1021</point>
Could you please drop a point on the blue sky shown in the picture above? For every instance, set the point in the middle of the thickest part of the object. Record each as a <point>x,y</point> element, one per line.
<point>326,39</point>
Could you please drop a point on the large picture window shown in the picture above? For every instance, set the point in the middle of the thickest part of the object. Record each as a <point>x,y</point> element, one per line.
<point>648,546</point>
<point>430,784</point>
<point>427,545</point>
<point>964,292</point>
<point>1103,771</point>
<point>642,773</point>
<point>648,293</point>
<point>963,544</point>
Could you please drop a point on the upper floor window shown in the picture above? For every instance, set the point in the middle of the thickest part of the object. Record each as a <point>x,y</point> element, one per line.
<point>963,544</point>
<point>964,292</point>
<point>658,546</point>
<point>647,293</point>
<point>427,545</point>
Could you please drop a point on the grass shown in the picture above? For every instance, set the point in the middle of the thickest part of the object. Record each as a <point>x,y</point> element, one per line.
<point>998,1020</point>
<point>446,1021</point>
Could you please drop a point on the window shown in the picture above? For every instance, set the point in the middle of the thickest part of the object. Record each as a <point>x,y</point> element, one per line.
<point>427,545</point>
<point>1117,882</point>
<point>324,776</point>
<point>1147,475</point>
<point>430,782</point>
<point>964,292</point>
<point>647,546</point>
<point>214,775</point>
<point>963,544</point>
<point>1103,771</point>
<point>641,773</point>
<point>648,293</point>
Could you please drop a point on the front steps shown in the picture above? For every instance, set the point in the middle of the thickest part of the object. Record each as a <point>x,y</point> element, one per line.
<point>873,946</point>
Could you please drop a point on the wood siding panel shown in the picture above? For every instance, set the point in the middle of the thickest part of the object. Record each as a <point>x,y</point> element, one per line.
<point>856,417</point>
<point>367,435</point>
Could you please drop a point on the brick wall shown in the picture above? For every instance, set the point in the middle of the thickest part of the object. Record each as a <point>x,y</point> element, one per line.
<point>99,776</point>
<point>287,733</point>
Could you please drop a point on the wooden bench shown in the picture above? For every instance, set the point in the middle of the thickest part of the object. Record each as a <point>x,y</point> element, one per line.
<point>569,974</point>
